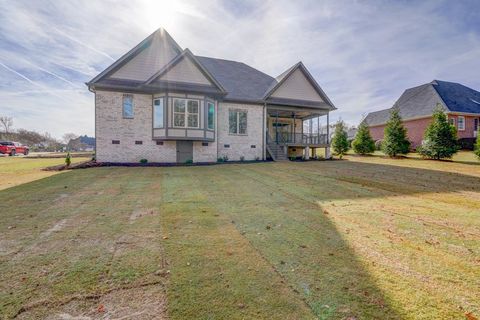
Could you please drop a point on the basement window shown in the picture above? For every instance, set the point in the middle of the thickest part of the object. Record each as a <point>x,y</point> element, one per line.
<point>115,141</point>
<point>253,146</point>
<point>159,143</point>
<point>138,142</point>
<point>226,146</point>
<point>205,144</point>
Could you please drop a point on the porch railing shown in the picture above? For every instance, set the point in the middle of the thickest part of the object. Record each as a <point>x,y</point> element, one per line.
<point>300,138</point>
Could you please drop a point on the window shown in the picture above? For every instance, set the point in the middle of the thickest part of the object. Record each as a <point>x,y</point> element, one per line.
<point>185,113</point>
<point>451,121</point>
<point>226,146</point>
<point>115,141</point>
<point>204,144</point>
<point>461,123</point>
<point>211,115</point>
<point>128,106</point>
<point>237,122</point>
<point>158,113</point>
<point>138,142</point>
<point>253,146</point>
<point>159,143</point>
<point>475,124</point>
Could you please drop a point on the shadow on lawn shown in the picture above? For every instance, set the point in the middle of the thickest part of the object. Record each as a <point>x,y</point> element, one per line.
<point>278,213</point>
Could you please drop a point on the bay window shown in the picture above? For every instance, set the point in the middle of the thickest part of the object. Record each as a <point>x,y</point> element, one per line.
<point>186,113</point>
<point>210,115</point>
<point>237,122</point>
<point>158,112</point>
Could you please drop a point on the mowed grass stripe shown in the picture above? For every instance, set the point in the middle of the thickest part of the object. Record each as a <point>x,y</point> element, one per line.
<point>216,273</point>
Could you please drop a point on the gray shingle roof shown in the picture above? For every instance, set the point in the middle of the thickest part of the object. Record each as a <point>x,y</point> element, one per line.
<point>458,97</point>
<point>241,81</point>
<point>421,101</point>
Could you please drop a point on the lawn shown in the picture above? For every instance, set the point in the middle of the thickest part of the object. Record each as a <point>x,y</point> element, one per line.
<point>18,170</point>
<point>360,238</point>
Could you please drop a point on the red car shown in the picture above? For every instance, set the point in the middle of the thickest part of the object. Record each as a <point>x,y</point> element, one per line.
<point>12,148</point>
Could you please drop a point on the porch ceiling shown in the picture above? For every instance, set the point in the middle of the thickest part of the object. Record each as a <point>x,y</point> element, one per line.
<point>289,112</point>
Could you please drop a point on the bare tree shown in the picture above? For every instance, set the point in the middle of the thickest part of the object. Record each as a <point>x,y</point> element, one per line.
<point>7,123</point>
<point>69,136</point>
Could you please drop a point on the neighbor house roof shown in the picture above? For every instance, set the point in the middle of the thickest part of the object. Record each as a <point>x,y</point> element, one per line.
<point>420,101</point>
<point>234,81</point>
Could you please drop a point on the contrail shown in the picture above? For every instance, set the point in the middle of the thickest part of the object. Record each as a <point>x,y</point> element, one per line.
<point>53,74</point>
<point>84,44</point>
<point>31,81</point>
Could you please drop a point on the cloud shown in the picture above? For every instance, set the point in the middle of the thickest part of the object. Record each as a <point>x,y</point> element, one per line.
<point>363,54</point>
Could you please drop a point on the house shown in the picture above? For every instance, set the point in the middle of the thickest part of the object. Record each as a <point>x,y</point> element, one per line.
<point>416,105</point>
<point>162,103</point>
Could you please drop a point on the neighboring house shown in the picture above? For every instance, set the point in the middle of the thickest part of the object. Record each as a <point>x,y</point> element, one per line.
<point>163,103</point>
<point>82,143</point>
<point>416,105</point>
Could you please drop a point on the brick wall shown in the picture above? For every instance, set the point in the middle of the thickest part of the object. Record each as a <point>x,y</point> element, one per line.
<point>416,129</point>
<point>110,125</point>
<point>240,145</point>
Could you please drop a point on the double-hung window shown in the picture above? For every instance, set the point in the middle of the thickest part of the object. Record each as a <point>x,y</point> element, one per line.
<point>237,122</point>
<point>451,121</point>
<point>461,123</point>
<point>158,112</point>
<point>128,106</point>
<point>210,115</point>
<point>186,113</point>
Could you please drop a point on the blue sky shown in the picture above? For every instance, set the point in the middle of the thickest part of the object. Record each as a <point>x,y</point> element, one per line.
<point>362,53</point>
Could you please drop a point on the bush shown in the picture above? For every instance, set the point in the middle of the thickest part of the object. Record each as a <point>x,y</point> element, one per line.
<point>242,158</point>
<point>257,158</point>
<point>395,136</point>
<point>293,158</point>
<point>143,161</point>
<point>467,143</point>
<point>189,161</point>
<point>68,160</point>
<point>378,145</point>
<point>477,147</point>
<point>340,139</point>
<point>219,160</point>
<point>363,142</point>
<point>225,158</point>
<point>440,138</point>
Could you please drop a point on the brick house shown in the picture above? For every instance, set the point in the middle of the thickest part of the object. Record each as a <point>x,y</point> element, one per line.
<point>162,103</point>
<point>416,105</point>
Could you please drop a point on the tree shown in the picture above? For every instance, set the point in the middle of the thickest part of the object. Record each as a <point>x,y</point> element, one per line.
<point>363,142</point>
<point>477,147</point>
<point>69,136</point>
<point>340,139</point>
<point>7,123</point>
<point>440,138</point>
<point>395,140</point>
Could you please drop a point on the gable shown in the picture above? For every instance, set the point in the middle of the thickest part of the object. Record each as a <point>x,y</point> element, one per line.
<point>148,61</point>
<point>297,86</point>
<point>185,71</point>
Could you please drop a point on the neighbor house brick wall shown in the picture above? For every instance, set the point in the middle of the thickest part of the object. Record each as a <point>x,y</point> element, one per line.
<point>469,125</point>
<point>110,125</point>
<point>240,145</point>
<point>415,130</point>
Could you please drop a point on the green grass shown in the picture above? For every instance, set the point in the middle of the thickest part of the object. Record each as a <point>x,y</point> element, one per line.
<point>363,238</point>
<point>18,170</point>
<point>462,156</point>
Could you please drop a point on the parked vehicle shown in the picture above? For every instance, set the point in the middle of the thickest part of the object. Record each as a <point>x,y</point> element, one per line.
<point>12,148</point>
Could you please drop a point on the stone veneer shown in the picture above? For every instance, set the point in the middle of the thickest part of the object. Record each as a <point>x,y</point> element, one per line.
<point>240,145</point>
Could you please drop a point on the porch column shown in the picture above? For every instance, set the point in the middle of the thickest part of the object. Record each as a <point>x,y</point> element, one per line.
<point>306,152</point>
<point>294,127</point>
<point>328,128</point>
<point>318,129</point>
<point>276,128</point>
<point>310,129</point>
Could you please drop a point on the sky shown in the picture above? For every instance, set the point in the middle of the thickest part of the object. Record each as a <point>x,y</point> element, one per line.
<point>363,54</point>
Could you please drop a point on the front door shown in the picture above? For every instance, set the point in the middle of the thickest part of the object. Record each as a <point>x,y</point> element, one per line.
<point>184,151</point>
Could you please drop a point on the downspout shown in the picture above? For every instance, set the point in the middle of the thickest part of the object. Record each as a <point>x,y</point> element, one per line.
<point>264,137</point>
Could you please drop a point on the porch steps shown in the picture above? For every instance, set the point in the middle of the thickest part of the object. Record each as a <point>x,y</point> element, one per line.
<point>277,151</point>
